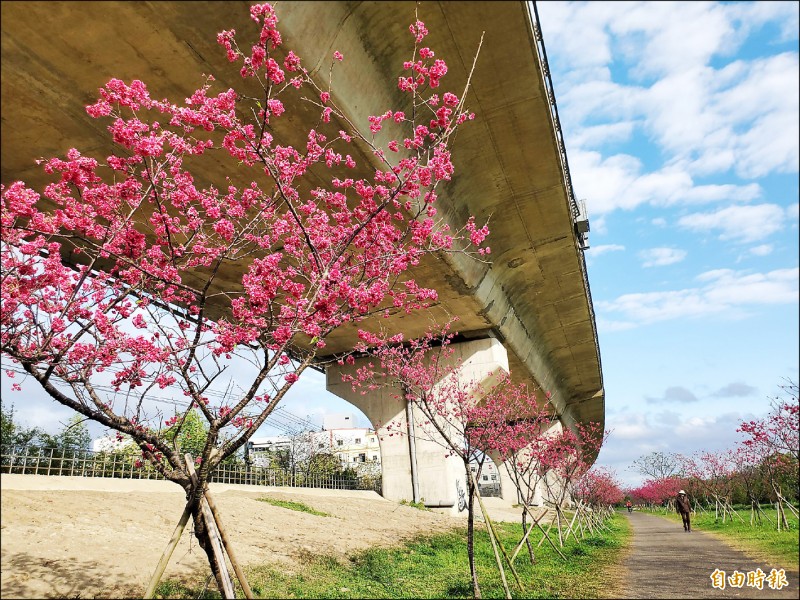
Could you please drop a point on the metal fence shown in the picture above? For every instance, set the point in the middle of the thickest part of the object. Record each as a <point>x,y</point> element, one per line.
<point>85,463</point>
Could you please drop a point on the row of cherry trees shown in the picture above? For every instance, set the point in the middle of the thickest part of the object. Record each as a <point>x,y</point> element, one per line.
<point>761,467</point>
<point>507,421</point>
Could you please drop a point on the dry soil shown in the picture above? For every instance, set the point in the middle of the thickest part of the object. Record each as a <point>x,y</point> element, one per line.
<point>68,537</point>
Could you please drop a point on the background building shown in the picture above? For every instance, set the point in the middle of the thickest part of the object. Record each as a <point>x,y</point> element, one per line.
<point>355,447</point>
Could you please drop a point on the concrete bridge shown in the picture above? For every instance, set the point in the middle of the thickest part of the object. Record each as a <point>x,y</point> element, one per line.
<point>529,311</point>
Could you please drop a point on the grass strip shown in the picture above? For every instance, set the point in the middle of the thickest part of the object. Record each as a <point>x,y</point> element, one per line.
<point>436,567</point>
<point>299,506</point>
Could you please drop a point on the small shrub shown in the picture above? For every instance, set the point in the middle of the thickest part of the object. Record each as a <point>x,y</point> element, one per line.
<point>418,505</point>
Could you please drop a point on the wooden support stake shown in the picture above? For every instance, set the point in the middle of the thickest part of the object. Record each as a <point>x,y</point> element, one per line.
<point>546,533</point>
<point>493,533</point>
<point>167,554</point>
<point>547,537</point>
<point>559,512</point>
<point>571,523</point>
<point>248,593</point>
<point>496,554</point>
<point>527,533</point>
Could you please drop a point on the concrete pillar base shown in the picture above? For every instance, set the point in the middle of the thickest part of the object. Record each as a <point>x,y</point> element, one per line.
<point>441,477</point>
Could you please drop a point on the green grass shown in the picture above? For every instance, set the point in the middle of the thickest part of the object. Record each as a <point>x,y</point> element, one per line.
<point>175,589</point>
<point>761,541</point>
<point>437,567</point>
<point>299,506</point>
<point>418,505</point>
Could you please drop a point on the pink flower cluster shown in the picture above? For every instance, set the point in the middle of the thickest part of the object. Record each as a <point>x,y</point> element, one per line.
<point>599,487</point>
<point>657,491</point>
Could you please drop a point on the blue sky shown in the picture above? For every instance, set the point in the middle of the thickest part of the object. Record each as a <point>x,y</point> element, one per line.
<point>681,129</point>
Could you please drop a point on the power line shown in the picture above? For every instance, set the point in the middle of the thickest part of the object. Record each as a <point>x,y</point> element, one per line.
<point>280,418</point>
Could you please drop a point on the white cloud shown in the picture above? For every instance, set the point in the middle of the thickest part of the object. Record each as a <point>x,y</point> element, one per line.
<point>599,135</point>
<point>631,427</point>
<point>726,293</point>
<point>675,34</point>
<point>730,288</point>
<point>611,325</point>
<point>618,182</point>
<point>755,14</point>
<point>659,306</point>
<point>765,105</point>
<point>737,389</point>
<point>635,434</point>
<point>793,213</point>
<point>602,249</point>
<point>761,250</point>
<point>706,118</point>
<point>599,224</point>
<point>659,257</point>
<point>697,430</point>
<point>740,223</point>
<point>742,117</point>
<point>560,21</point>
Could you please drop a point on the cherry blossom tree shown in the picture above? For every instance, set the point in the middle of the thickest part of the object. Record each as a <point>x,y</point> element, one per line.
<point>773,442</point>
<point>750,475</point>
<point>466,418</point>
<point>780,429</point>
<point>598,491</point>
<point>513,427</point>
<point>565,457</point>
<point>715,475</point>
<point>520,448</point>
<point>116,277</point>
<point>599,488</point>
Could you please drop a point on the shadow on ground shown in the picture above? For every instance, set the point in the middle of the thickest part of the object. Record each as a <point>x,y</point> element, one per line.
<point>65,579</point>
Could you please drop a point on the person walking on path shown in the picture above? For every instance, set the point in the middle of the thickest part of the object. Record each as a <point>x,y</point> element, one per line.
<point>684,508</point>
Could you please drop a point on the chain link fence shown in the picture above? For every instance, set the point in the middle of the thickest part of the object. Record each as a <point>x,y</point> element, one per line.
<point>33,460</point>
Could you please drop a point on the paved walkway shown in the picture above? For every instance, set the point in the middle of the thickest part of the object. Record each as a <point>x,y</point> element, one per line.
<point>666,562</point>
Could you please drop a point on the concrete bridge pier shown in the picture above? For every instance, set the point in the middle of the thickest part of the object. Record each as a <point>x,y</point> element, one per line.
<point>417,454</point>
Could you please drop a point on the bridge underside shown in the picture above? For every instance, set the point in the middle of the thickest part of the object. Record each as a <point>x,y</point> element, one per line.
<point>533,297</point>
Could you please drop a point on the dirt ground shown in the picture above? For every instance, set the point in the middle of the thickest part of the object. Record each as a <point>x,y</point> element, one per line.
<point>68,537</point>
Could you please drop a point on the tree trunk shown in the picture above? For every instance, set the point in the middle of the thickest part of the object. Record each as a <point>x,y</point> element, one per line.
<point>531,555</point>
<point>476,590</point>
<point>203,536</point>
<point>204,525</point>
<point>219,539</point>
